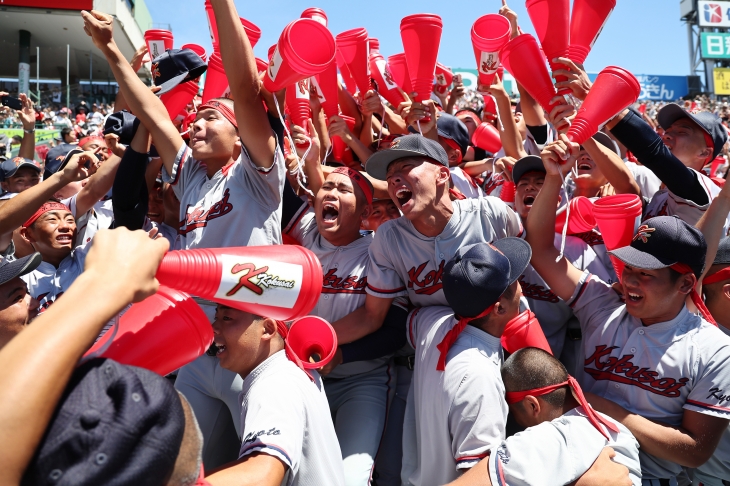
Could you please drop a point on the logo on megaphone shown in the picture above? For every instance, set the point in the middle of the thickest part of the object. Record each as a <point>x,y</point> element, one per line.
<point>259,281</point>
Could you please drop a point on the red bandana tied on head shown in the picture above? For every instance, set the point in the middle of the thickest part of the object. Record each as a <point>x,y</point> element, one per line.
<point>284,332</point>
<point>222,109</point>
<point>453,335</point>
<point>358,179</point>
<point>718,276</point>
<point>452,143</point>
<point>593,417</point>
<point>86,140</point>
<point>696,299</point>
<point>49,206</point>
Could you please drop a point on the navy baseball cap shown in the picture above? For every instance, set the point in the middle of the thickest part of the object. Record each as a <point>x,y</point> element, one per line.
<point>123,124</point>
<point>722,257</point>
<point>9,269</point>
<point>664,241</point>
<point>115,424</point>
<point>531,163</point>
<point>10,166</point>
<point>176,66</point>
<point>448,126</point>
<point>709,122</point>
<point>479,274</point>
<point>402,148</point>
<point>55,156</point>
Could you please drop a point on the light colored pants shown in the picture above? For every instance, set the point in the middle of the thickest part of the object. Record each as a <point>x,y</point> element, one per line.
<point>358,405</point>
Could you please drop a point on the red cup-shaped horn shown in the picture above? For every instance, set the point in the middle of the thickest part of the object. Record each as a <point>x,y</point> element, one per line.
<point>421,35</point>
<point>212,26</point>
<point>444,77</point>
<point>581,217</point>
<point>522,57</point>
<point>486,137</point>
<point>158,41</point>
<point>326,84</point>
<point>618,217</point>
<point>524,331</point>
<point>252,31</point>
<point>489,34</point>
<point>353,48</point>
<point>347,78</point>
<point>316,14</point>
<point>373,46</point>
<point>313,340</point>
<point>261,65</point>
<point>589,17</point>
<point>162,333</point>
<point>551,19</point>
<point>614,89</point>
<point>273,281</point>
<point>297,102</point>
<point>178,98</point>
<point>216,82</point>
<point>384,80</point>
<point>399,71</point>
<point>305,48</point>
<point>199,50</point>
<point>508,192</point>
<point>340,150</point>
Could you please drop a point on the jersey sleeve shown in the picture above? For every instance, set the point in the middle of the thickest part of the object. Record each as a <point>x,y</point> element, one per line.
<point>71,203</point>
<point>264,185</point>
<point>183,166</point>
<point>593,301</point>
<point>502,218</point>
<point>303,228</point>
<point>711,393</point>
<point>477,419</point>
<point>582,256</point>
<point>383,280</point>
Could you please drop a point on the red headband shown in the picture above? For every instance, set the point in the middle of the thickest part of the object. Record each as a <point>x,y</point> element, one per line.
<point>86,140</point>
<point>358,179</point>
<point>593,417</point>
<point>452,143</point>
<point>696,299</point>
<point>222,109</point>
<point>49,206</point>
<point>710,143</point>
<point>453,335</point>
<point>284,332</point>
<point>718,276</point>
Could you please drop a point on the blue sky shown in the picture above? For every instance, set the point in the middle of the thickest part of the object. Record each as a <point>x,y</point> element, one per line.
<point>643,36</point>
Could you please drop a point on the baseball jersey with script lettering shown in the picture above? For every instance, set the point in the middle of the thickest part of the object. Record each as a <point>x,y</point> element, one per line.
<point>560,452</point>
<point>286,415</point>
<point>239,206</point>
<point>405,262</point>
<point>461,412</point>
<point>656,371</point>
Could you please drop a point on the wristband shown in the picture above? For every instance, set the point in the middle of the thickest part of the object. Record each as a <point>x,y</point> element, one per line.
<point>29,132</point>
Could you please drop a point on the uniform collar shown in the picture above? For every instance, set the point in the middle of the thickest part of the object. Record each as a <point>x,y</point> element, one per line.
<point>486,344</point>
<point>272,362</point>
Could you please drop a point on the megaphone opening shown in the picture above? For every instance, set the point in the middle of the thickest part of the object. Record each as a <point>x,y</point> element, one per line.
<point>313,340</point>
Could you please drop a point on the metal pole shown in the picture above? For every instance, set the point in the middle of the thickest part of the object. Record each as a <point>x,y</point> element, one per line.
<point>38,72</point>
<point>68,66</point>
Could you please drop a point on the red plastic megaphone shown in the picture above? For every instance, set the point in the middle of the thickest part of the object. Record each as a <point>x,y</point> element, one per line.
<point>281,282</point>
<point>614,90</point>
<point>373,46</point>
<point>178,98</point>
<point>158,41</point>
<point>508,192</point>
<point>581,216</point>
<point>216,82</point>
<point>444,77</point>
<point>261,65</point>
<point>327,90</point>
<point>399,70</point>
<point>199,50</point>
<point>252,31</point>
<point>162,333</point>
<point>524,331</point>
<point>316,14</point>
<point>589,17</point>
<point>551,19</point>
<point>353,48</point>
<point>384,81</point>
<point>489,34</point>
<point>340,150</point>
<point>313,341</point>
<point>297,102</point>
<point>347,78</point>
<point>522,57</point>
<point>421,35</point>
<point>486,137</point>
<point>305,48</point>
<point>618,217</point>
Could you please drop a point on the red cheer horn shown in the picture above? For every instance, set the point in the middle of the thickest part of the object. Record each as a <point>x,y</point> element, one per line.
<point>327,90</point>
<point>486,137</point>
<point>162,333</point>
<point>281,282</point>
<point>297,102</point>
<point>522,57</point>
<point>614,90</point>
<point>178,98</point>
<point>589,17</point>
<point>581,216</point>
<point>252,31</point>
<point>399,69</point>
<point>305,48</point>
<point>316,14</point>
<point>347,78</point>
<point>508,192</point>
<point>199,50</point>
<point>421,35</point>
<point>618,217</point>
<point>384,80</point>
<point>524,331</point>
<point>340,150</point>
<point>373,46</point>
<point>551,19</point>
<point>489,34</point>
<point>158,41</point>
<point>313,341</point>
<point>261,65</point>
<point>353,48</point>
<point>444,77</point>
<point>216,82</point>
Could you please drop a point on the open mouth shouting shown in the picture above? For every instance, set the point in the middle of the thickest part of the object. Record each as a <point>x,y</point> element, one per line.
<point>329,212</point>
<point>633,297</point>
<point>403,195</point>
<point>528,201</point>
<point>219,348</point>
<point>65,239</point>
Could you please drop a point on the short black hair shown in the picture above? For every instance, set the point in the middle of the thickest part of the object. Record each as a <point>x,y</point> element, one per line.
<point>530,368</point>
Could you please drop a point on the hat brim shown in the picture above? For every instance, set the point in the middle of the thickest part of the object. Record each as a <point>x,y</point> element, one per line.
<point>531,163</point>
<point>607,142</point>
<point>70,154</point>
<point>171,83</point>
<point>673,112</point>
<point>639,259</point>
<point>24,164</point>
<point>377,165</point>
<point>518,252</point>
<point>19,267</point>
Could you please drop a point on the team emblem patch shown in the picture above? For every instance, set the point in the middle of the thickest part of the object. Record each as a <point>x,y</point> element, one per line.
<point>155,70</point>
<point>643,233</point>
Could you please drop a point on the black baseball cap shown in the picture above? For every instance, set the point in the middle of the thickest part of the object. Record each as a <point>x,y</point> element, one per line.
<point>115,425</point>
<point>607,142</point>
<point>402,148</point>
<point>59,164</point>
<point>176,66</point>
<point>448,126</point>
<point>10,166</point>
<point>709,122</point>
<point>664,241</point>
<point>9,269</point>
<point>530,163</point>
<point>123,124</point>
<point>722,257</point>
<point>479,274</point>
<point>55,156</point>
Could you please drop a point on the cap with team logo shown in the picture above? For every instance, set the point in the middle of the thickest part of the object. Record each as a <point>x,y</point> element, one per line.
<point>405,147</point>
<point>55,156</point>
<point>663,242</point>
<point>176,66</point>
<point>710,123</point>
<point>453,129</point>
<point>123,124</point>
<point>9,167</point>
<point>530,163</point>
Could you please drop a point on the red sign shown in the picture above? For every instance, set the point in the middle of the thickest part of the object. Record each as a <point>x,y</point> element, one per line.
<point>50,4</point>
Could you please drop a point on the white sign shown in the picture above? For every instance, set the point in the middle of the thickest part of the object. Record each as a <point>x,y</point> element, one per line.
<point>23,77</point>
<point>714,13</point>
<point>259,281</point>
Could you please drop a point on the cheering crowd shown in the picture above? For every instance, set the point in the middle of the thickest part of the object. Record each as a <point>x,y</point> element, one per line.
<point>485,337</point>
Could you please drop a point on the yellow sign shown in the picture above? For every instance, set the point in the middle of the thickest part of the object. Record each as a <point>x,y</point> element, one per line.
<point>722,81</point>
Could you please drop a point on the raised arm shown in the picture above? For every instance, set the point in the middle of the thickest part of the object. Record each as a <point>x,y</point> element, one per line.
<point>98,185</point>
<point>612,167</point>
<point>511,138</point>
<point>141,101</point>
<point>27,118</point>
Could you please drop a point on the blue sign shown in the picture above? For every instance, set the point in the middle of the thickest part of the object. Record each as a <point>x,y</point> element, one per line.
<point>659,88</point>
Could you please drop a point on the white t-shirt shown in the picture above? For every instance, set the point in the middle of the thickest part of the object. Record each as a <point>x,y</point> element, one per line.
<point>461,412</point>
<point>286,415</point>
